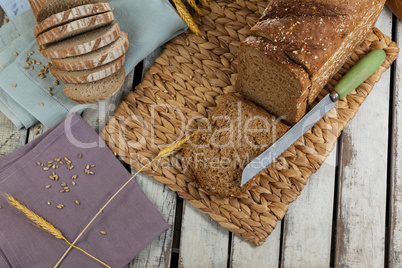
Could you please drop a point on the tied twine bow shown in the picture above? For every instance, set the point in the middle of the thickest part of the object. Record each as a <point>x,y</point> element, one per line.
<point>48,227</point>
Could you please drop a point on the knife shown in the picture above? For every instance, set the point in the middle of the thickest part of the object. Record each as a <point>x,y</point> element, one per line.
<point>357,75</point>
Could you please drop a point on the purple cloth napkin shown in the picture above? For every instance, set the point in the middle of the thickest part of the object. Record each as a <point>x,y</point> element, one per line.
<point>130,221</point>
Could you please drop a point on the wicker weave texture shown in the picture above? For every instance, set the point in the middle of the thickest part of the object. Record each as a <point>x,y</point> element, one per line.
<point>184,85</point>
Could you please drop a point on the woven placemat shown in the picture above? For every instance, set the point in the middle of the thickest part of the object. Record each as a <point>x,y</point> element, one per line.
<point>187,81</point>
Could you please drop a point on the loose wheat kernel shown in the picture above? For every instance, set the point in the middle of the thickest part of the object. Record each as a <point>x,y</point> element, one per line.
<point>15,53</point>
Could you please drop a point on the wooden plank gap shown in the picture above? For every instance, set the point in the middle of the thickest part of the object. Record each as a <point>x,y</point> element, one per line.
<point>174,262</point>
<point>335,212</point>
<point>138,74</point>
<point>230,252</point>
<point>395,167</point>
<point>282,242</point>
<point>391,153</point>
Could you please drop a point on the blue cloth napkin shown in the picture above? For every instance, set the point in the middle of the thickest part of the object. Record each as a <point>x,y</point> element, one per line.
<point>24,97</point>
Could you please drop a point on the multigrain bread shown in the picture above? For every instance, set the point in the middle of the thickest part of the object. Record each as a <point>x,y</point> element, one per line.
<point>84,43</point>
<point>43,9</point>
<point>396,7</point>
<point>296,47</point>
<point>89,75</point>
<point>75,28</point>
<point>236,133</point>
<point>96,91</point>
<point>96,58</point>
<point>71,15</point>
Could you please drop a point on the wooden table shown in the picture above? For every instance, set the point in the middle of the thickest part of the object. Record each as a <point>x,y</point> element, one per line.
<point>350,213</point>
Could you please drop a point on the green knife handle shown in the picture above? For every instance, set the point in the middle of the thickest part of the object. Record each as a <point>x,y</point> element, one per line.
<point>360,72</point>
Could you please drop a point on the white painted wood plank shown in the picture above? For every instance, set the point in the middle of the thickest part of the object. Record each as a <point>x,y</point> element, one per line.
<point>10,137</point>
<point>204,243</point>
<point>245,254</point>
<point>395,258</point>
<point>159,252</point>
<point>308,222</point>
<point>363,179</point>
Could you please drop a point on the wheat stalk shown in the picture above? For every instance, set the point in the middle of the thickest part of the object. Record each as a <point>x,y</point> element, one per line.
<point>168,151</point>
<point>195,6</point>
<point>186,16</point>
<point>43,224</point>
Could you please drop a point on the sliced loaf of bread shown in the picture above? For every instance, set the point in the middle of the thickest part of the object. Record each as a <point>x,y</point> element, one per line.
<point>43,9</point>
<point>96,58</point>
<point>96,91</point>
<point>75,28</point>
<point>235,134</point>
<point>84,43</point>
<point>71,15</point>
<point>90,75</point>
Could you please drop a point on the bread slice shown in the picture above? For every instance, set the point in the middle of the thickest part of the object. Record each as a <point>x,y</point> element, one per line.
<point>90,75</point>
<point>43,9</point>
<point>75,28</point>
<point>96,58</point>
<point>84,43</point>
<point>71,15</point>
<point>236,133</point>
<point>95,91</point>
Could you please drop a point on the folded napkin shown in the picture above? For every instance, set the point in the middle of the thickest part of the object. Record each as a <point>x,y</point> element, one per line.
<point>149,24</point>
<point>130,221</point>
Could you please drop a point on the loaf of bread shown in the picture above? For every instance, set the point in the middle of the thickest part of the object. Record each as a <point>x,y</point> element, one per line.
<point>236,133</point>
<point>83,44</point>
<point>90,74</point>
<point>95,58</point>
<point>71,15</point>
<point>396,7</point>
<point>86,47</point>
<point>297,46</point>
<point>43,9</point>
<point>95,91</point>
<point>75,28</point>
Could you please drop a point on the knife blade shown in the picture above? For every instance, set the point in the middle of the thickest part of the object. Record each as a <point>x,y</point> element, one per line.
<point>357,75</point>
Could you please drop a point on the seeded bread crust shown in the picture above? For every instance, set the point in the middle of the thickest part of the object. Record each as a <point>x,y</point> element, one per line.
<point>43,9</point>
<point>75,28</point>
<point>106,88</point>
<point>99,41</point>
<point>317,35</point>
<point>96,58</point>
<point>218,166</point>
<point>71,15</point>
<point>90,75</point>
